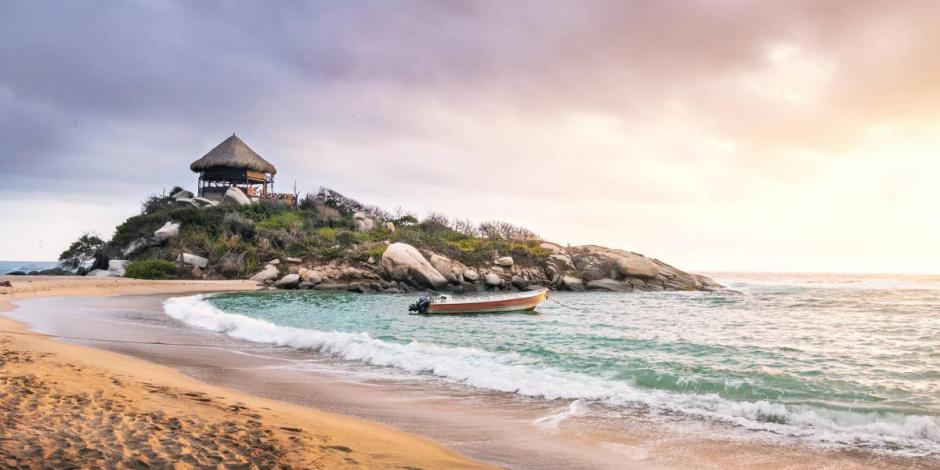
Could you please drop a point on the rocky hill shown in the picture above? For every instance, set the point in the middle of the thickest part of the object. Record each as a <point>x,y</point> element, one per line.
<point>332,242</point>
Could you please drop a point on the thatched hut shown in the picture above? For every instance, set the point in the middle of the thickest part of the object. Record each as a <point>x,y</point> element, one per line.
<point>234,163</point>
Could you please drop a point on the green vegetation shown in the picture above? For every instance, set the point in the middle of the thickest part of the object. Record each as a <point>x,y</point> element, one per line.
<point>238,240</point>
<point>87,248</point>
<point>152,268</point>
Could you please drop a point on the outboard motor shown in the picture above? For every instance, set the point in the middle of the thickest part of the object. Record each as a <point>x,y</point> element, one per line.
<point>421,306</point>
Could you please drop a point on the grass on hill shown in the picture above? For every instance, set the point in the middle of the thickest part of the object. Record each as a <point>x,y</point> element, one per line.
<point>237,240</point>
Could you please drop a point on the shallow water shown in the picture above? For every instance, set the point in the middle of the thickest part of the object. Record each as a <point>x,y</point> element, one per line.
<point>834,361</point>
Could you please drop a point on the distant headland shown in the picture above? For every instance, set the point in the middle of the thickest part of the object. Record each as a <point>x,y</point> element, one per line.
<point>235,226</point>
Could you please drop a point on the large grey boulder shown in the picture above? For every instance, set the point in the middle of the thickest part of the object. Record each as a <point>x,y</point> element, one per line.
<point>184,194</point>
<point>118,266</point>
<point>169,230</point>
<point>289,281</point>
<point>637,267</point>
<point>269,272</point>
<point>390,226</point>
<point>185,201</point>
<point>445,266</point>
<point>137,245</point>
<point>203,202</point>
<point>572,283</point>
<point>470,275</point>
<point>236,197</point>
<point>363,222</point>
<point>404,262</point>
<point>520,282</point>
<point>492,280</point>
<point>194,260</point>
<point>505,261</point>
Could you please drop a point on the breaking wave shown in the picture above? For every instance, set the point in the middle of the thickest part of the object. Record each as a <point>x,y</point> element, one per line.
<point>522,375</point>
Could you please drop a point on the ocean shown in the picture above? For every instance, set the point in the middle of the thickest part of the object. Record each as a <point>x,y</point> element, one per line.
<point>25,266</point>
<point>835,361</point>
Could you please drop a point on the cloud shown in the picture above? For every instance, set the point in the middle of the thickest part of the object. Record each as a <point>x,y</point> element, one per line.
<point>672,107</point>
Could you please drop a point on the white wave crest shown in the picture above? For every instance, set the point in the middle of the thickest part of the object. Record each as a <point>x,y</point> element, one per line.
<point>513,373</point>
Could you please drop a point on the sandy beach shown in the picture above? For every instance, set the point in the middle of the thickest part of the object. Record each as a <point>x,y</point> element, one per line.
<point>201,399</point>
<point>66,405</point>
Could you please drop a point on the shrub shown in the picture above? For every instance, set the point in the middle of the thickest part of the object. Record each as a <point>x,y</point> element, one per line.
<point>151,268</point>
<point>83,250</point>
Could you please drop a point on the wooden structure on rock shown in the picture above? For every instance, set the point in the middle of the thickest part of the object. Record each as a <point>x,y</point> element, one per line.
<point>234,163</point>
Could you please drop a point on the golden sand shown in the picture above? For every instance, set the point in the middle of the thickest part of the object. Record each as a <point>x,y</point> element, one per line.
<point>64,405</point>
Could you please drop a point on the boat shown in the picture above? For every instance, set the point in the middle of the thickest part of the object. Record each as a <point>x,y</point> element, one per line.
<point>445,304</point>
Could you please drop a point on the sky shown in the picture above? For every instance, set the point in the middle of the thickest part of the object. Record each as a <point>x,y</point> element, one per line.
<point>714,135</point>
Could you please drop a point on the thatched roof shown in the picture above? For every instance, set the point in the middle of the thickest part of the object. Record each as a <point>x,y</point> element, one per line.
<point>233,153</point>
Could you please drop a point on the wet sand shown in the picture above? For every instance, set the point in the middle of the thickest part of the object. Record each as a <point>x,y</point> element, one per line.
<point>65,405</point>
<point>499,429</point>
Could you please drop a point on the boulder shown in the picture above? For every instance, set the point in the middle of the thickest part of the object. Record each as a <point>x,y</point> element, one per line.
<point>608,285</point>
<point>362,222</point>
<point>289,281</point>
<point>364,225</point>
<point>117,266</point>
<point>505,261</point>
<point>444,266</point>
<point>310,276</point>
<point>268,273</point>
<point>306,285</point>
<point>184,194</point>
<point>236,197</point>
<point>169,230</point>
<point>637,267</point>
<point>492,280</point>
<point>520,282</point>
<point>553,247</point>
<point>187,202</point>
<point>572,283</point>
<point>274,262</point>
<point>389,226</point>
<point>293,260</point>
<point>138,245</point>
<point>203,202</point>
<point>194,260</point>
<point>404,262</point>
<point>471,275</point>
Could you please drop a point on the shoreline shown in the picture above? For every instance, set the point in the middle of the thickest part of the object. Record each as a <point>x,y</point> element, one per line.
<point>489,427</point>
<point>75,404</point>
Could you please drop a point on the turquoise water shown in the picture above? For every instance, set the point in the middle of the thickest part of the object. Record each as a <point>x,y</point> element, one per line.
<point>849,361</point>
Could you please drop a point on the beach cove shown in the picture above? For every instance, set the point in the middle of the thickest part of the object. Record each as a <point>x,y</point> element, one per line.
<point>491,426</point>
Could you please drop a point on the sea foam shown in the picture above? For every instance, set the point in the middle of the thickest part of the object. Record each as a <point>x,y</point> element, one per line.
<point>515,373</point>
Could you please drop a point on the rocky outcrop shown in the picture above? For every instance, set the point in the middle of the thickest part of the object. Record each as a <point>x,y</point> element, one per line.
<point>572,283</point>
<point>269,273</point>
<point>492,280</point>
<point>310,276</point>
<point>184,194</point>
<point>194,260</point>
<point>289,281</point>
<point>118,266</point>
<point>168,231</point>
<point>236,197</point>
<point>470,275</point>
<point>403,262</point>
<point>363,222</point>
<point>505,261</point>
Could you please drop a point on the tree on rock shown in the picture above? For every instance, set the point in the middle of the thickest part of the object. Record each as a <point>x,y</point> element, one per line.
<point>83,250</point>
